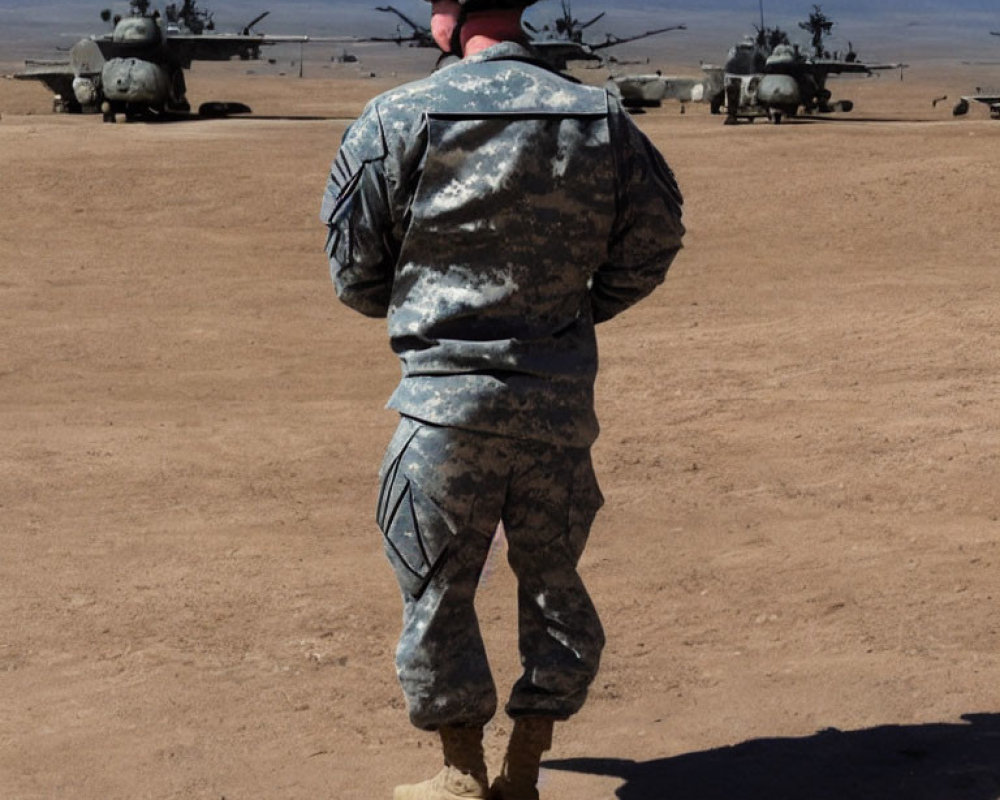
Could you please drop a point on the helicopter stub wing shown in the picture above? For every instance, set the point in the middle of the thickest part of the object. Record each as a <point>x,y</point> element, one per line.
<point>36,70</point>
<point>222,41</point>
<point>227,46</point>
<point>213,47</point>
<point>223,46</point>
<point>85,62</point>
<point>830,66</point>
<point>57,77</point>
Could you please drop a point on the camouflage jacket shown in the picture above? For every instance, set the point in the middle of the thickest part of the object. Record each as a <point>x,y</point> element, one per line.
<point>493,212</point>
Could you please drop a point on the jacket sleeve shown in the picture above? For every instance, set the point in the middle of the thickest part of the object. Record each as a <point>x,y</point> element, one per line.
<point>647,233</point>
<point>355,208</point>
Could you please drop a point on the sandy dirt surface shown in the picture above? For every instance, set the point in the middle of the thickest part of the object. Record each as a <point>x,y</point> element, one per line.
<point>796,565</point>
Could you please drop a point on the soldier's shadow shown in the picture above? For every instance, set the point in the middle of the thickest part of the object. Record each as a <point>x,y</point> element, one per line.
<point>940,761</point>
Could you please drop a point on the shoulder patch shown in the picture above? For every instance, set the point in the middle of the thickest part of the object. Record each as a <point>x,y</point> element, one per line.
<point>363,143</point>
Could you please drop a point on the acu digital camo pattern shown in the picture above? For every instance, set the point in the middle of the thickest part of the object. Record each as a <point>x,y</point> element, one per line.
<point>442,493</point>
<point>494,212</point>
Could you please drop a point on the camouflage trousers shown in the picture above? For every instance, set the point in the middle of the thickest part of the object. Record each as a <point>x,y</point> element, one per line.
<point>442,493</point>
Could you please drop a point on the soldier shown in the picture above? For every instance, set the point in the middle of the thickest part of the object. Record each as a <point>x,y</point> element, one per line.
<point>494,212</point>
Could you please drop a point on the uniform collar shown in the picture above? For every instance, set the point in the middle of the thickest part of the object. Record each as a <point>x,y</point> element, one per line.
<point>502,51</point>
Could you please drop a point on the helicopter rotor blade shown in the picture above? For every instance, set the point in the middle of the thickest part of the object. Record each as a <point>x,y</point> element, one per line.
<point>254,21</point>
<point>584,25</point>
<point>614,40</point>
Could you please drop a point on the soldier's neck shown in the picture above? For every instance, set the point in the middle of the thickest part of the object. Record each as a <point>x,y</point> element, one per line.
<point>487,28</point>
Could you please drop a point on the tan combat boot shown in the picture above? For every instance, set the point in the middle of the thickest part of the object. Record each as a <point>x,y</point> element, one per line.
<point>518,780</point>
<point>463,776</point>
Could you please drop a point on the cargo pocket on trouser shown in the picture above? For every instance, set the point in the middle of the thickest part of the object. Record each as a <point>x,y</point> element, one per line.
<point>585,501</point>
<point>415,531</point>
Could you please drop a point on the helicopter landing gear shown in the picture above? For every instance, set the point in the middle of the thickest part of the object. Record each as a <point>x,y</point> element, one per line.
<point>732,101</point>
<point>779,113</point>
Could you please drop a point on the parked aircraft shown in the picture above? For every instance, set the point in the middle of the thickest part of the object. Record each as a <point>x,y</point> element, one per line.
<point>138,68</point>
<point>558,43</point>
<point>986,98</point>
<point>768,76</point>
<point>992,100</point>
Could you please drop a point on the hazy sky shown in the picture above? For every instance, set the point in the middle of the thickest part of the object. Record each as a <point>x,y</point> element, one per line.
<point>888,29</point>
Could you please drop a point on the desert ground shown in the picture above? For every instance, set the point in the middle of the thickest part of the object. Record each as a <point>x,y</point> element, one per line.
<point>796,564</point>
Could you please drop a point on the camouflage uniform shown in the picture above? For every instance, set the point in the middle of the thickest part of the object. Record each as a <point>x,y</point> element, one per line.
<point>494,212</point>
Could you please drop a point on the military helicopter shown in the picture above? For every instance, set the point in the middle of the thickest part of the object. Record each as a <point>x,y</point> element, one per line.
<point>986,98</point>
<point>641,91</point>
<point>138,68</point>
<point>768,76</point>
<point>420,35</point>
<point>557,43</point>
<point>562,41</point>
<point>992,100</point>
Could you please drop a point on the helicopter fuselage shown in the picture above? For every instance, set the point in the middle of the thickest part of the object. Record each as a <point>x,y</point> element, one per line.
<point>136,81</point>
<point>776,86</point>
<point>138,68</point>
<point>139,75</point>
